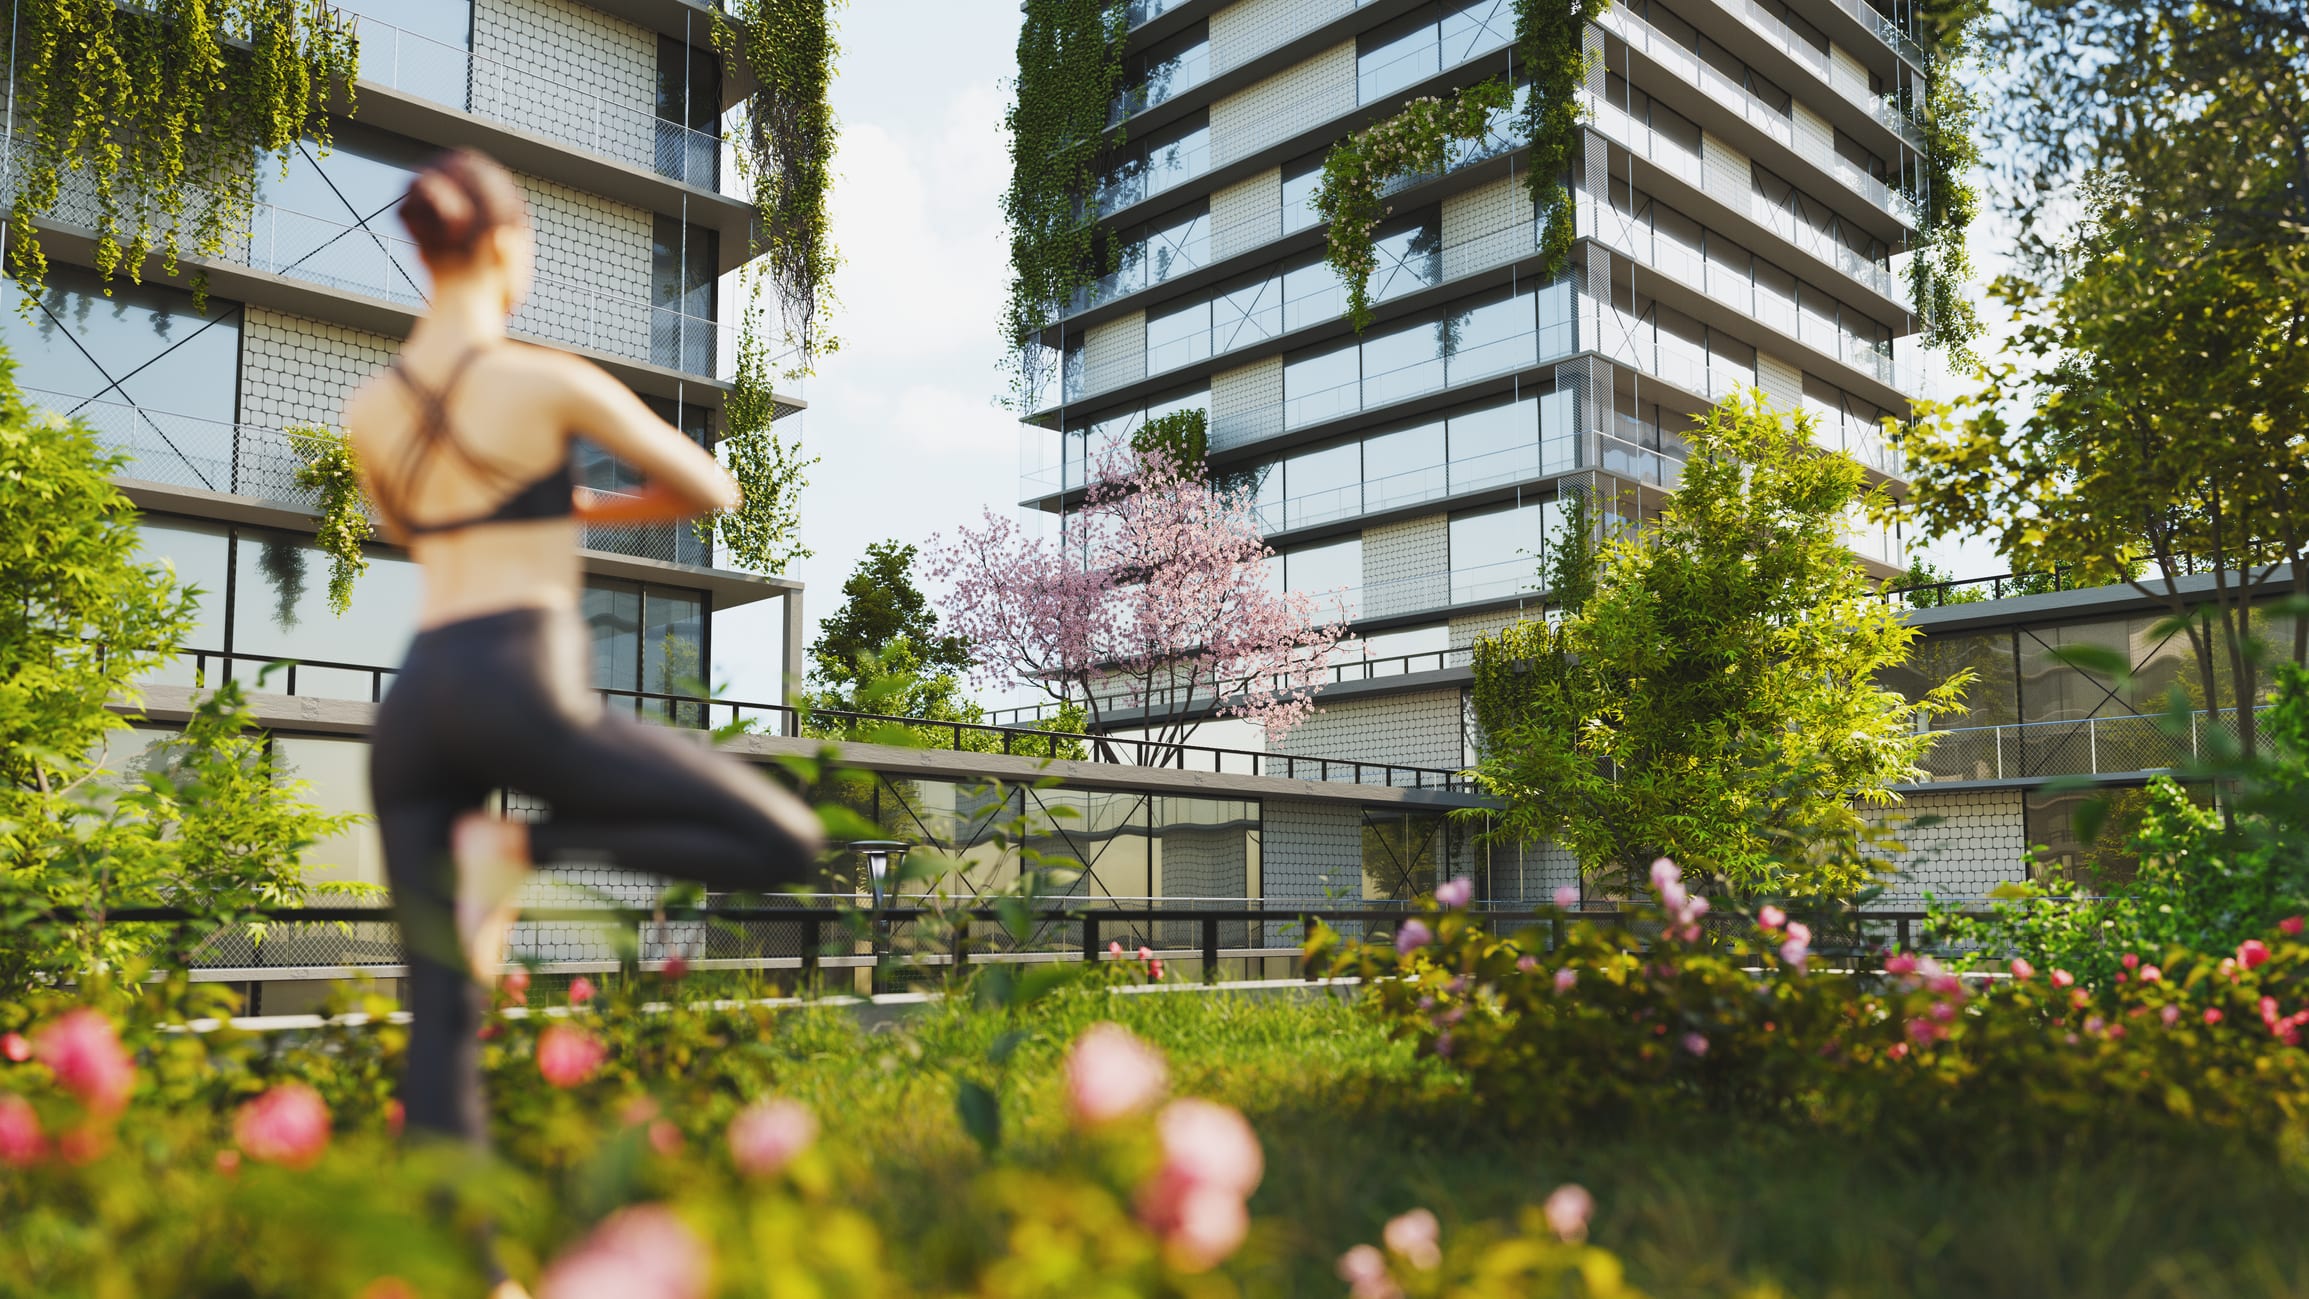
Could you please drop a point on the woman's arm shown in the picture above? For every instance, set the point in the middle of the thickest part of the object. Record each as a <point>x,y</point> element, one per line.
<point>681,479</point>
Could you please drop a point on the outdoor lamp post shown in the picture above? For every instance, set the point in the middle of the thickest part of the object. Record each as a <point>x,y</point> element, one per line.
<point>878,854</point>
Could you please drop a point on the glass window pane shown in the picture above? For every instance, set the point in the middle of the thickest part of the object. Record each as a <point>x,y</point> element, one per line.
<point>1247,315</point>
<point>673,651</point>
<point>450,22</point>
<point>1496,553</point>
<point>1409,259</point>
<point>1299,195</point>
<point>1476,27</point>
<point>1329,572</point>
<point>198,552</point>
<point>1400,855</point>
<point>1178,247</point>
<point>1404,466</point>
<point>1312,293</point>
<point>1323,485</point>
<point>1492,339</point>
<point>1401,364</point>
<point>613,613</point>
<point>1495,444</point>
<point>336,773</point>
<point>1322,386</point>
<point>1397,55</point>
<point>1178,156</point>
<point>281,611</point>
<point>1177,338</point>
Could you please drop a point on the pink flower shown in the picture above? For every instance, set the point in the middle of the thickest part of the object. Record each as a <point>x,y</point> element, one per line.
<point>1364,1269</point>
<point>1942,1011</point>
<point>1795,953</point>
<point>1114,950</point>
<point>568,1055</point>
<point>1194,1202</point>
<point>515,982</point>
<point>1567,898</point>
<point>1526,963</point>
<point>2129,961</point>
<point>2062,978</point>
<point>1566,979</point>
<point>1665,872</point>
<point>20,1141</point>
<point>1567,1211</point>
<point>2213,1014</point>
<point>2022,970</point>
<point>676,968</point>
<point>581,990</point>
<point>2252,952</point>
<point>2094,1024</point>
<point>287,1125</point>
<point>83,1050</point>
<point>1154,971</point>
<point>2171,1015</point>
<point>1111,1074</point>
<point>1412,936</point>
<point>2290,926</point>
<point>766,1135</point>
<point>2151,974</point>
<point>644,1252</point>
<point>1146,954</point>
<point>1900,963</point>
<point>1416,1236</point>
<point>1454,894</point>
<point>1694,1043</point>
<point>1210,1144</point>
<point>14,1049</point>
<point>1924,1032</point>
<point>1771,917</point>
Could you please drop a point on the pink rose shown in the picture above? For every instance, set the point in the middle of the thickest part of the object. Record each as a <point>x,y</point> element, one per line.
<point>1412,936</point>
<point>2252,952</point>
<point>2129,961</point>
<point>1900,963</point>
<point>1795,953</point>
<point>1567,1211</point>
<point>644,1252</point>
<point>1210,1144</point>
<point>1364,1269</point>
<point>1567,898</point>
<point>1526,963</point>
<point>515,982</point>
<point>2213,1014</point>
<point>1417,1237</point>
<point>1194,1202</point>
<point>2022,970</point>
<point>20,1141</point>
<point>1111,1074</point>
<point>14,1049</point>
<point>1694,1043</point>
<point>676,968</point>
<point>83,1050</point>
<point>2151,974</point>
<point>1771,917</point>
<point>287,1125</point>
<point>766,1135</point>
<point>1566,979</point>
<point>1146,954</point>
<point>1454,894</point>
<point>2171,1015</point>
<point>1200,1225</point>
<point>2290,926</point>
<point>568,1055</point>
<point>2062,978</point>
<point>581,990</point>
<point>1114,950</point>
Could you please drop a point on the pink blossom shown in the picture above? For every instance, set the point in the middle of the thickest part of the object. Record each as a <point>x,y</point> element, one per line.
<point>1526,963</point>
<point>1567,1211</point>
<point>2129,961</point>
<point>1800,932</point>
<point>1417,1237</point>
<point>1924,1032</point>
<point>2079,998</point>
<point>2171,1015</point>
<point>2094,1024</point>
<point>2151,974</point>
<point>1114,950</point>
<point>83,1050</point>
<point>2022,970</point>
<point>766,1135</point>
<point>1146,954</point>
<point>14,1049</point>
<point>644,1252</point>
<point>581,990</point>
<point>675,969</point>
<point>1771,917</point>
<point>1941,1010</point>
<point>2062,978</point>
<point>1111,1074</point>
<point>2252,952</point>
<point>1364,1269</point>
<point>1794,953</point>
<point>1205,1225</point>
<point>1694,1043</point>
<point>287,1125</point>
<point>1455,893</point>
<point>664,1137</point>
<point>515,982</point>
<point>1210,1143</point>
<point>1900,963</point>
<point>1665,872</point>
<point>1194,1202</point>
<point>1566,979</point>
<point>1567,898</point>
<point>2213,1014</point>
<point>2290,926</point>
<point>20,1141</point>
<point>1412,936</point>
<point>568,1055</point>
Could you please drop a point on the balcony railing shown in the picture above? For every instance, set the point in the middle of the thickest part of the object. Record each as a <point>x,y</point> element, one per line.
<point>1885,29</point>
<point>2122,744</point>
<point>260,461</point>
<point>1884,109</point>
<point>534,100</point>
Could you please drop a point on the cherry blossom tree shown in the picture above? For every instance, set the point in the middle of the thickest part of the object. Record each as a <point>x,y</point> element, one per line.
<point>1154,608</point>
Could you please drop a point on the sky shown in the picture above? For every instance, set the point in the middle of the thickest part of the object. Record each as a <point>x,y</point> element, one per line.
<point>904,416</point>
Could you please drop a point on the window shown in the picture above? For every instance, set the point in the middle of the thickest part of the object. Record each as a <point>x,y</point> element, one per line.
<point>1410,258</point>
<point>417,46</point>
<point>1178,337</point>
<point>1497,553</point>
<point>1312,293</point>
<point>1176,155</point>
<point>1495,444</point>
<point>1492,339</point>
<point>1397,55</point>
<point>1300,180</point>
<point>1476,27</point>
<point>672,659</point>
<point>681,293</point>
<point>1322,386</point>
<point>1319,486</point>
<point>281,611</point>
<point>613,616</point>
<point>1403,467</point>
<point>1170,67</point>
<point>1403,363</point>
<point>158,381</point>
<point>1332,573</point>
<point>689,113</point>
<point>333,218</point>
<point>202,556</point>
<point>1247,314</point>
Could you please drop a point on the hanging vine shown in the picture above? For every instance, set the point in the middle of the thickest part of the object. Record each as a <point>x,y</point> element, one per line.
<point>1069,68</point>
<point>1551,47</point>
<point>786,152</point>
<point>1938,268</point>
<point>329,472</point>
<point>1416,141</point>
<point>160,108</point>
<point>762,533</point>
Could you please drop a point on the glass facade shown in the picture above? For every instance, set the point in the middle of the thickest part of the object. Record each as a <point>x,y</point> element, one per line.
<point>689,110</point>
<point>682,285</point>
<point>331,218</point>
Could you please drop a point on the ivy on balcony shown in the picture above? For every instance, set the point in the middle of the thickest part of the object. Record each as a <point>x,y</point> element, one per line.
<point>162,107</point>
<point>1551,50</point>
<point>786,152</point>
<point>1069,69</point>
<point>1938,270</point>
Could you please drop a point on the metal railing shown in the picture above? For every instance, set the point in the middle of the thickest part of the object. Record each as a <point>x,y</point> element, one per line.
<point>2104,745</point>
<point>528,97</point>
<point>1965,590</point>
<point>1885,29</point>
<point>369,681</point>
<point>1884,109</point>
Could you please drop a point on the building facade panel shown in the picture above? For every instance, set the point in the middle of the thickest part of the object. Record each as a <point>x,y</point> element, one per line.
<point>1284,105</point>
<point>569,72</point>
<point>1406,566</point>
<point>1310,851</point>
<point>1246,404</point>
<point>1246,214</point>
<point>1976,844</point>
<point>1244,31</point>
<point>1114,353</point>
<point>1420,729</point>
<point>297,370</point>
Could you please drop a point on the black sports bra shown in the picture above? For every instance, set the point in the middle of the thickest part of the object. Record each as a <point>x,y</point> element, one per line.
<point>548,496</point>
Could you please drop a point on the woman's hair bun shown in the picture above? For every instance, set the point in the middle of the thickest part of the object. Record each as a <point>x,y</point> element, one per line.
<point>460,197</point>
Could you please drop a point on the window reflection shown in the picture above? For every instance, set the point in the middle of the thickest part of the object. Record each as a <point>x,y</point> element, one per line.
<point>1498,553</point>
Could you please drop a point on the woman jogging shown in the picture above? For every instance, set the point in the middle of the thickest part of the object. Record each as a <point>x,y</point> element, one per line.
<point>464,446</point>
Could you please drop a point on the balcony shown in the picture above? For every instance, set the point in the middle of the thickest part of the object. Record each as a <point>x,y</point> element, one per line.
<point>260,461</point>
<point>534,101</point>
<point>2118,745</point>
<point>1883,109</point>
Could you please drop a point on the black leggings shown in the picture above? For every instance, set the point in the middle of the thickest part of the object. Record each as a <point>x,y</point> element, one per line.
<point>499,702</point>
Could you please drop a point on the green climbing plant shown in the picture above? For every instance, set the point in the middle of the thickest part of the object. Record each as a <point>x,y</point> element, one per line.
<point>1939,270</point>
<point>330,472</point>
<point>1069,68</point>
<point>1551,51</point>
<point>763,533</point>
<point>786,152</point>
<point>1416,141</point>
<point>160,109</point>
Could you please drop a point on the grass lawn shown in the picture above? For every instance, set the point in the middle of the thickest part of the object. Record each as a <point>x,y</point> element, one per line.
<point>1356,1129</point>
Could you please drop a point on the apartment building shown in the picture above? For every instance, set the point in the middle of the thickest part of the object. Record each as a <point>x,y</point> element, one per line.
<point>610,115</point>
<point>1745,183</point>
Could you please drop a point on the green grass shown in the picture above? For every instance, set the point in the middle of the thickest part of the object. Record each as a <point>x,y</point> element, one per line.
<point>1356,1129</point>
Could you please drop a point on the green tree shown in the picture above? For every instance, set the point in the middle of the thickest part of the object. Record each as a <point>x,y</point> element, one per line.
<point>880,605</point>
<point>204,823</point>
<point>1708,690</point>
